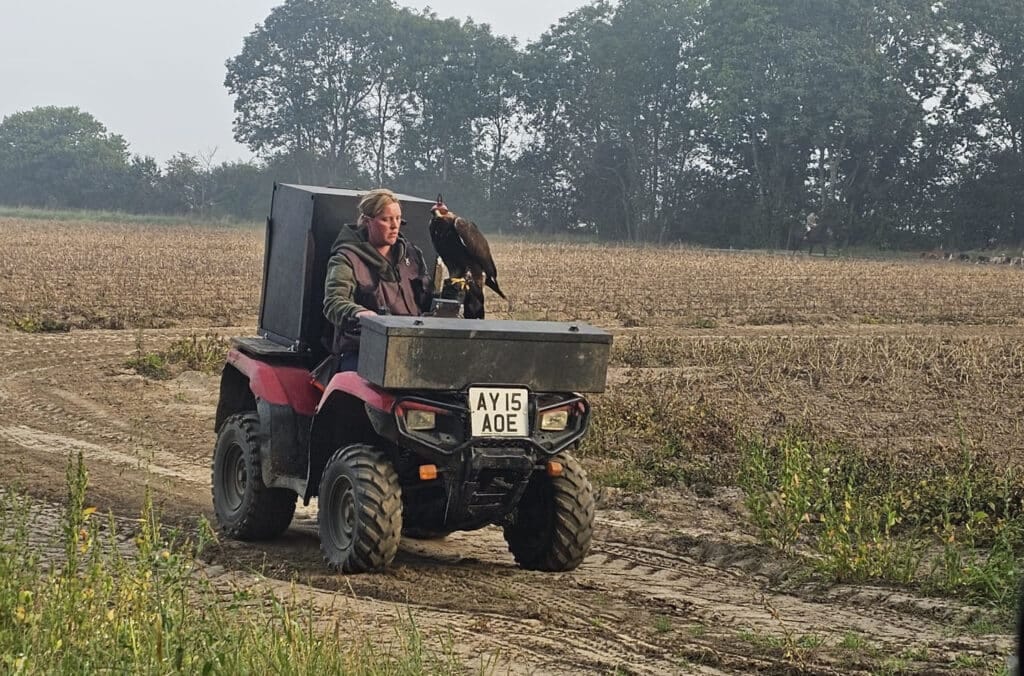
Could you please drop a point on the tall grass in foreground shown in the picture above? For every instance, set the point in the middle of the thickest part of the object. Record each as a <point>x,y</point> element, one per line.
<point>100,608</point>
<point>955,531</point>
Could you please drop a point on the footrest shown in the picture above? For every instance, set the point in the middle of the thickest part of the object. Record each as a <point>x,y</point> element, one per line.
<point>264,349</point>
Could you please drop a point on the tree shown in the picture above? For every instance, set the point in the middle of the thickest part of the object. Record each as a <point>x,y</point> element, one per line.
<point>437,144</point>
<point>610,100</point>
<point>303,77</point>
<point>499,119</point>
<point>987,206</point>
<point>823,104</point>
<point>464,111</point>
<point>187,185</point>
<point>60,157</point>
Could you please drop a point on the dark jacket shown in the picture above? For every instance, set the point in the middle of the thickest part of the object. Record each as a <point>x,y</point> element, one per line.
<point>359,278</point>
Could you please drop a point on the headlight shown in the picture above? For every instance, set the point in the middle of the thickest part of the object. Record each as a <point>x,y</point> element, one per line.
<point>419,420</point>
<point>554,421</point>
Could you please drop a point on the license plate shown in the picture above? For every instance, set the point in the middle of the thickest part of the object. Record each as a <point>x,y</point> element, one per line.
<point>498,412</point>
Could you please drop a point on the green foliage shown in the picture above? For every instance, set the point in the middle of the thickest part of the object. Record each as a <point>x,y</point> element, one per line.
<point>900,124</point>
<point>150,365</point>
<point>41,324</point>
<point>58,157</point>
<point>857,540</point>
<point>958,530</point>
<point>194,353</point>
<point>146,607</point>
<point>662,624</point>
<point>780,481</point>
<point>611,98</point>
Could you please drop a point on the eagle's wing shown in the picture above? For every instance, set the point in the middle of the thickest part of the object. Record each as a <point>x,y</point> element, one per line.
<point>476,244</point>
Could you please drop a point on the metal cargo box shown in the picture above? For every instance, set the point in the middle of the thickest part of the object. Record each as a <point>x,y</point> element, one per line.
<point>304,222</point>
<point>431,353</point>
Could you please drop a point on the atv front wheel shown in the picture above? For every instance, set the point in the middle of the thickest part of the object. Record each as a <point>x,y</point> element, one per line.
<point>246,509</point>
<point>360,510</point>
<point>554,520</point>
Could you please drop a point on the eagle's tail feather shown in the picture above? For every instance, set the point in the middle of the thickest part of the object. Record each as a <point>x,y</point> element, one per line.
<point>493,284</point>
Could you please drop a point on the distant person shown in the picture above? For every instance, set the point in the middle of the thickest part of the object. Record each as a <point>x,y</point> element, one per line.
<point>373,270</point>
<point>815,235</point>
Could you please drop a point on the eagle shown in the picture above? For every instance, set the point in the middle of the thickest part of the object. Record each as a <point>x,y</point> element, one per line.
<point>466,254</point>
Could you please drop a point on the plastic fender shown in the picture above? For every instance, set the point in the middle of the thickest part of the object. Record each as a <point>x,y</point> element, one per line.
<point>235,396</point>
<point>350,382</point>
<point>279,385</point>
<point>341,419</point>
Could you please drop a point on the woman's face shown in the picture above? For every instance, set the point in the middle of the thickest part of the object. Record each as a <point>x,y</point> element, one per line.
<point>383,228</point>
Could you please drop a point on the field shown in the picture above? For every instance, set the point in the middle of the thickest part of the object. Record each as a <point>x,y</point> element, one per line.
<point>805,464</point>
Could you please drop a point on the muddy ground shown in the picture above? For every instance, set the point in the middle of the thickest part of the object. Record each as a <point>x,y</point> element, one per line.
<point>677,586</point>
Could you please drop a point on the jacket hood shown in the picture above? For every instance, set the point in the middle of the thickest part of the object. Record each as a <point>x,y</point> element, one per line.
<point>355,238</point>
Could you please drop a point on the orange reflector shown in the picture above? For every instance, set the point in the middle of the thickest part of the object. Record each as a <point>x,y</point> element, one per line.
<point>428,472</point>
<point>554,468</point>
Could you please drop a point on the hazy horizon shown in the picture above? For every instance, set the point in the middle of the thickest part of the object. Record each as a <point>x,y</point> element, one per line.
<point>155,73</point>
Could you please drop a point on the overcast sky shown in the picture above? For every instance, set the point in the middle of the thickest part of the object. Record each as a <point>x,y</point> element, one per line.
<point>154,71</point>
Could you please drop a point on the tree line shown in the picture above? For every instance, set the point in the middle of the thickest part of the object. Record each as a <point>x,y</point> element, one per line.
<point>897,123</point>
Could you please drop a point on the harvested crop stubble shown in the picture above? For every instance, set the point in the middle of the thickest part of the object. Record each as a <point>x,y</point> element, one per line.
<point>915,398</point>
<point>831,342</point>
<point>678,286</point>
<point>104,274</point>
<point>116,275</point>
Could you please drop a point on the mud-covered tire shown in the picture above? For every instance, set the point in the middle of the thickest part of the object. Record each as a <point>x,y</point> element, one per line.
<point>554,520</point>
<point>245,508</point>
<point>360,514</point>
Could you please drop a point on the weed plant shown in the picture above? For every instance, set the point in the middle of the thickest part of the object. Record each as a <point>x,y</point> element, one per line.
<point>44,323</point>
<point>952,530</point>
<point>199,353</point>
<point>194,353</point>
<point>86,603</point>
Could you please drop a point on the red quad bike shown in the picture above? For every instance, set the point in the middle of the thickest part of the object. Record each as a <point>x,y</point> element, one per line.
<point>448,424</point>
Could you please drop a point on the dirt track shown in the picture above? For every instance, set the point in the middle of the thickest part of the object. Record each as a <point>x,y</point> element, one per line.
<point>684,590</point>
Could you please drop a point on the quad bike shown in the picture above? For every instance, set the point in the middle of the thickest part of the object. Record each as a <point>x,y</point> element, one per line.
<point>448,424</point>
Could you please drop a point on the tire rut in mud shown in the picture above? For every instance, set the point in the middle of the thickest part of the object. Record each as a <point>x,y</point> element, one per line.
<point>69,393</point>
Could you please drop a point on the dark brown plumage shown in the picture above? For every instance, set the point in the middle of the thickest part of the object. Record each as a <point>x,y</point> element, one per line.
<point>464,249</point>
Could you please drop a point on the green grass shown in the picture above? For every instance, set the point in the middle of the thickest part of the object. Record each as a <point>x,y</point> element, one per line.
<point>73,215</point>
<point>853,641</point>
<point>194,353</point>
<point>760,640</point>
<point>98,608</point>
<point>40,324</point>
<point>949,526</point>
<point>955,530</point>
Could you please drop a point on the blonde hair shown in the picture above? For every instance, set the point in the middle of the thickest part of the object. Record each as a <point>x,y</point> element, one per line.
<point>374,202</point>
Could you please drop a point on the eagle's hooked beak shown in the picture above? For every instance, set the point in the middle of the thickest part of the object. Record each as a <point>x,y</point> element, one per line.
<point>439,208</point>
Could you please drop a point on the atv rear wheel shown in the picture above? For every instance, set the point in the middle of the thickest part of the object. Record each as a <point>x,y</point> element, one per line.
<point>246,509</point>
<point>554,520</point>
<point>360,510</point>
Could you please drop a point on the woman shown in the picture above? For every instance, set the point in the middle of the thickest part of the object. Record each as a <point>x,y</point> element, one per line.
<point>373,269</point>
